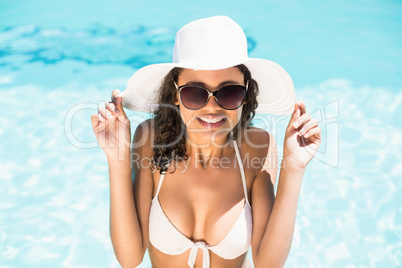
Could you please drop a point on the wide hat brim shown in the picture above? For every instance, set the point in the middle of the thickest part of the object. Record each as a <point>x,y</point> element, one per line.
<point>276,90</point>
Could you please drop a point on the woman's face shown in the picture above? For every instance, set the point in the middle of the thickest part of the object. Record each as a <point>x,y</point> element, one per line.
<point>211,123</point>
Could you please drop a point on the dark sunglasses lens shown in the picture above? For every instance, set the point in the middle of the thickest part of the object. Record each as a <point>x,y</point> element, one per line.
<point>231,97</point>
<point>193,97</point>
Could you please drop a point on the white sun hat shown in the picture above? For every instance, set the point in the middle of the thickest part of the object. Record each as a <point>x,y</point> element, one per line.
<point>211,44</point>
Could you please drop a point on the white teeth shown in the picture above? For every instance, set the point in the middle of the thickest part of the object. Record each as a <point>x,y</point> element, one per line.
<point>211,121</point>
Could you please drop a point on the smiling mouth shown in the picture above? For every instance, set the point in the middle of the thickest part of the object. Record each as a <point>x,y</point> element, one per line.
<point>212,123</point>
<point>211,120</point>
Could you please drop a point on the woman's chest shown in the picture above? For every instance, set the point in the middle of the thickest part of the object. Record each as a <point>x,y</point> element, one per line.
<point>203,205</point>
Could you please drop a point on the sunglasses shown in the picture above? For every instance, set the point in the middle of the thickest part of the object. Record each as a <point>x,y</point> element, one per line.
<point>228,97</point>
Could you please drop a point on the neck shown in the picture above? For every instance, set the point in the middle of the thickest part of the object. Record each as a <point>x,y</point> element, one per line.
<point>208,152</point>
<point>208,143</point>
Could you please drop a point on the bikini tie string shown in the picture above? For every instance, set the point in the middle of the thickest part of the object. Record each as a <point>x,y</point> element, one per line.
<point>193,254</point>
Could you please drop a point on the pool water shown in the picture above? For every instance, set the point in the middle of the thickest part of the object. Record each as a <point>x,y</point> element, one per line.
<point>59,60</point>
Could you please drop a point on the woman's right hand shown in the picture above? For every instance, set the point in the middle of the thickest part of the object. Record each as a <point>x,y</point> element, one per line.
<point>112,129</point>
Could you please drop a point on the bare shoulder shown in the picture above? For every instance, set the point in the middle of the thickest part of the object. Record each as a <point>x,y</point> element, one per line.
<point>142,139</point>
<point>257,141</point>
<point>258,148</point>
<point>142,152</point>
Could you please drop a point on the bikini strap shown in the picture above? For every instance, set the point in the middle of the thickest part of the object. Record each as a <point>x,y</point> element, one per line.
<point>163,173</point>
<point>243,176</point>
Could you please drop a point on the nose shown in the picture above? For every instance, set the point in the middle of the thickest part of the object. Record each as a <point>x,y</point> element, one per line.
<point>212,103</point>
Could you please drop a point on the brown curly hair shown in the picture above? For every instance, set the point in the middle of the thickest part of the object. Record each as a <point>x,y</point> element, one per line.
<point>169,128</point>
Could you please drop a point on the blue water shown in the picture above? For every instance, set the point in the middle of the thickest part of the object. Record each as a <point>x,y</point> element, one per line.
<point>58,59</point>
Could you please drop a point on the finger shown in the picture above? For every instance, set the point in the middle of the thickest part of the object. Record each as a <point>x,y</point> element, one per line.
<point>115,110</point>
<point>118,102</point>
<point>101,118</point>
<point>106,123</point>
<point>302,107</point>
<point>296,113</point>
<point>94,120</point>
<point>98,123</point>
<point>105,116</point>
<point>104,112</point>
<point>119,105</point>
<point>115,92</point>
<point>110,122</point>
<point>110,107</point>
<point>301,120</point>
<point>309,125</point>
<point>313,134</point>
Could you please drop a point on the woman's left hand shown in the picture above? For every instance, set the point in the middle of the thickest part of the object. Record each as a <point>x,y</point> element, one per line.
<point>302,138</point>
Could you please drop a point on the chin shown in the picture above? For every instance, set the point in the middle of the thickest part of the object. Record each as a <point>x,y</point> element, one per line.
<point>206,137</point>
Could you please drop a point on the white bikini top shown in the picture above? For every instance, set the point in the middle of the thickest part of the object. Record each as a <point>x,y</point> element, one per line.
<point>164,236</point>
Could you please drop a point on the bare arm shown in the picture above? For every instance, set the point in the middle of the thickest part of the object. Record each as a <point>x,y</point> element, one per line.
<point>130,204</point>
<point>112,130</point>
<point>275,220</point>
<point>125,230</point>
<point>277,237</point>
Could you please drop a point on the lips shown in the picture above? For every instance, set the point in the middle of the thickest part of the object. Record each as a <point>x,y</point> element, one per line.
<point>211,121</point>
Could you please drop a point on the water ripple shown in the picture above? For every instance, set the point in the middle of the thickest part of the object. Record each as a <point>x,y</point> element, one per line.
<point>136,46</point>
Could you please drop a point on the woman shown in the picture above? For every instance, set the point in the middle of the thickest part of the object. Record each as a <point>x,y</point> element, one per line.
<point>204,178</point>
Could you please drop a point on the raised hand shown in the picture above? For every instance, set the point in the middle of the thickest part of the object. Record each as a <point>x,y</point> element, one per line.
<point>302,138</point>
<point>112,129</point>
